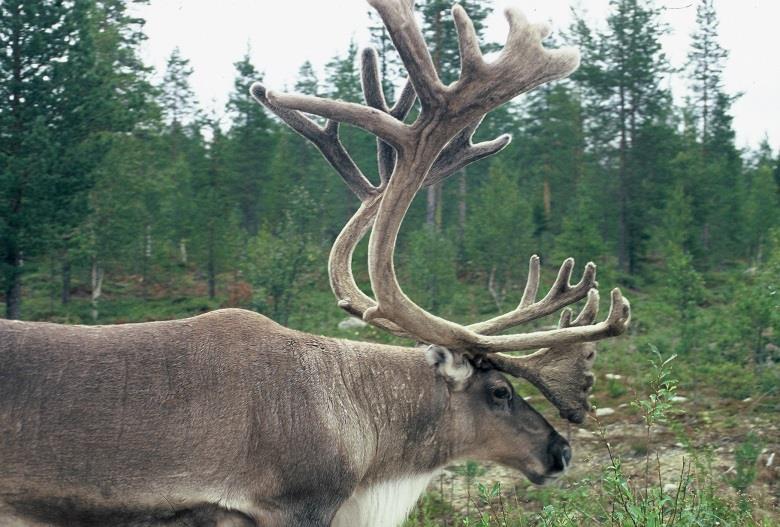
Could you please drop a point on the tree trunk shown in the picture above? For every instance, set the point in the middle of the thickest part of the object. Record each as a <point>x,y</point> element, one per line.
<point>147,255</point>
<point>183,251</point>
<point>13,281</point>
<point>65,294</point>
<point>623,256</point>
<point>211,265</point>
<point>97,288</point>
<point>547,198</point>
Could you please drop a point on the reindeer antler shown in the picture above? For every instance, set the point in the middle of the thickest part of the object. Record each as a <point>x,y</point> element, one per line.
<point>433,147</point>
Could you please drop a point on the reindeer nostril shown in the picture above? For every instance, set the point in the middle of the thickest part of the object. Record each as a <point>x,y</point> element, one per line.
<point>566,456</point>
<point>560,454</point>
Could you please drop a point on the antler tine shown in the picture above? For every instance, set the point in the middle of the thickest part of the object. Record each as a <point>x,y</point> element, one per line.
<point>589,311</point>
<point>561,294</point>
<point>461,151</point>
<point>399,19</point>
<point>532,284</point>
<point>375,98</point>
<point>471,61</point>
<point>405,101</point>
<point>561,373</point>
<point>325,139</point>
<point>522,65</point>
<point>372,84</point>
<point>370,119</point>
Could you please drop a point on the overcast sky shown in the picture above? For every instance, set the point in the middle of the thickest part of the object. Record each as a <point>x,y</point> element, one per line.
<point>282,34</point>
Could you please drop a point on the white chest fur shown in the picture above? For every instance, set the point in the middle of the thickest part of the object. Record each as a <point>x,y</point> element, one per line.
<point>384,504</point>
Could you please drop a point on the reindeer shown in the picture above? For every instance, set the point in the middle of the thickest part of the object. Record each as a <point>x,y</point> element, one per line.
<point>231,419</point>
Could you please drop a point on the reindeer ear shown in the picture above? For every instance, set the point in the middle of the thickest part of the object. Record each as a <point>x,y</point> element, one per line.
<point>454,367</point>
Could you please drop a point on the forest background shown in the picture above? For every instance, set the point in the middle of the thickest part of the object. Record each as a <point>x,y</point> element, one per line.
<point>122,200</point>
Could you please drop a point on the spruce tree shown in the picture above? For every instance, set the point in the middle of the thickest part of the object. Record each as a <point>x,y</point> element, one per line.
<point>182,144</point>
<point>622,78</point>
<point>706,62</point>
<point>307,82</point>
<point>551,150</point>
<point>716,198</point>
<point>65,64</point>
<point>105,96</point>
<point>177,97</point>
<point>342,76</point>
<point>499,232</point>
<point>250,143</point>
<point>215,226</point>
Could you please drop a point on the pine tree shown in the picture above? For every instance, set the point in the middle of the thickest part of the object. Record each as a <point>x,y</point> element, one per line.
<point>623,96</point>
<point>307,82</point>
<point>177,97</point>
<point>706,62</point>
<point>250,143</point>
<point>342,76</point>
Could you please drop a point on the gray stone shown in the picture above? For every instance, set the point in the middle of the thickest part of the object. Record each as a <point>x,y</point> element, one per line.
<point>351,323</point>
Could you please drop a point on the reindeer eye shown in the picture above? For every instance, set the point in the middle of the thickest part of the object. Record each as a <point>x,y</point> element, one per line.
<point>502,392</point>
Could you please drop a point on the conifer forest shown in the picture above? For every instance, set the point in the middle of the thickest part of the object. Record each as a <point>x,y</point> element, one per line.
<point>123,200</point>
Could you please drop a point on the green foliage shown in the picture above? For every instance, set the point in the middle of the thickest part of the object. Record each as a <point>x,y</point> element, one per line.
<point>746,456</point>
<point>281,263</point>
<point>662,389</point>
<point>499,231</point>
<point>757,310</point>
<point>249,150</point>
<point>761,208</point>
<point>177,98</point>
<point>429,269</point>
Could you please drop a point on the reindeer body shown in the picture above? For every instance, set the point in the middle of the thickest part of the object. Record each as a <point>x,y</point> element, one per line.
<point>230,419</point>
<point>226,409</point>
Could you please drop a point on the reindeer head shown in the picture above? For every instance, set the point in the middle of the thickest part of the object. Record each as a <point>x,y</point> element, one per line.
<point>433,147</point>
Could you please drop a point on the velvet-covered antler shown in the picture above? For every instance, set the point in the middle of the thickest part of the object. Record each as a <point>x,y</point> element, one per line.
<point>436,144</point>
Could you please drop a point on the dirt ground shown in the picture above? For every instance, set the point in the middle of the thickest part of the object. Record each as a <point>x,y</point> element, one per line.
<point>717,427</point>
